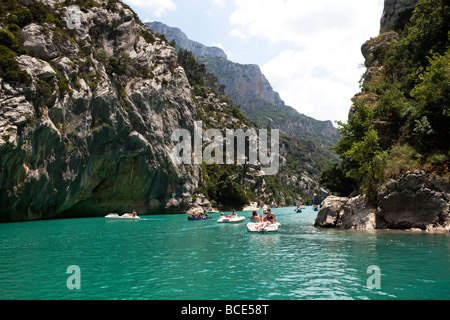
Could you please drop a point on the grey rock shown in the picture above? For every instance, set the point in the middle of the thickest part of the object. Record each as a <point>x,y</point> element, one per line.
<point>38,43</point>
<point>415,200</point>
<point>396,12</point>
<point>330,211</point>
<point>340,212</point>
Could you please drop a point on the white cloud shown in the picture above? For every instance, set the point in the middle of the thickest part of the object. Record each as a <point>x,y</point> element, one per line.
<point>219,3</point>
<point>159,7</point>
<point>319,74</point>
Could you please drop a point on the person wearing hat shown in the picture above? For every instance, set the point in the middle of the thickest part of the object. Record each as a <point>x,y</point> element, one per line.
<point>264,216</point>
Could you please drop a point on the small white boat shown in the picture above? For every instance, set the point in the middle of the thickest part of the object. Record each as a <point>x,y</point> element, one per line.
<point>252,227</point>
<point>126,216</point>
<point>235,219</point>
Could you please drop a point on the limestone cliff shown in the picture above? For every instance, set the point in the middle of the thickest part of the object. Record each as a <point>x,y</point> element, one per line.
<point>183,42</point>
<point>396,14</point>
<point>89,132</point>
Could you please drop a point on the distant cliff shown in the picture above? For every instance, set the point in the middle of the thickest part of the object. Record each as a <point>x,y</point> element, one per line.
<point>248,87</point>
<point>183,42</point>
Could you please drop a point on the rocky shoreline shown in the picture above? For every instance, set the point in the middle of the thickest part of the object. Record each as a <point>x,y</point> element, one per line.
<point>414,201</point>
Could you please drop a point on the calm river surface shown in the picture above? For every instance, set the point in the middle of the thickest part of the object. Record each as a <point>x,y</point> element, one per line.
<point>168,257</point>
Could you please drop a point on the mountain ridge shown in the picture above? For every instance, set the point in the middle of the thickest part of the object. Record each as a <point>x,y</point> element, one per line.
<point>247,86</point>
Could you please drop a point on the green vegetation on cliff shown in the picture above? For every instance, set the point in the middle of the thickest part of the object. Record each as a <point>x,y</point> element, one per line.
<point>400,120</point>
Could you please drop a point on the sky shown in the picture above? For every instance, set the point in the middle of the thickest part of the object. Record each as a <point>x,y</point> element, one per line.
<point>309,50</point>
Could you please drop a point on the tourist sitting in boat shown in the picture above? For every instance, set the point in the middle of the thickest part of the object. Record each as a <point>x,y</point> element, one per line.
<point>233,215</point>
<point>264,216</point>
<point>134,213</point>
<point>255,217</point>
<point>269,219</point>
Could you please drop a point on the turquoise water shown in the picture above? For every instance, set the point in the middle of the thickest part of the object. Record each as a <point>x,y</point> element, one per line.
<point>168,257</point>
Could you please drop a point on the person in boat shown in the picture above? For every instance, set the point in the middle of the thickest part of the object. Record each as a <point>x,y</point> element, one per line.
<point>255,217</point>
<point>232,215</point>
<point>134,213</point>
<point>269,219</point>
<point>264,216</point>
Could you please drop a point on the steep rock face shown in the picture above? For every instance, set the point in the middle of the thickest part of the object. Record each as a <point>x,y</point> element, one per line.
<point>183,42</point>
<point>416,200</point>
<point>396,13</point>
<point>243,82</point>
<point>92,132</point>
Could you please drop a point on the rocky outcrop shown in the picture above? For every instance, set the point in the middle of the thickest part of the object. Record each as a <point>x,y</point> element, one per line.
<point>91,133</point>
<point>201,204</point>
<point>396,14</point>
<point>340,212</point>
<point>416,200</point>
<point>374,51</point>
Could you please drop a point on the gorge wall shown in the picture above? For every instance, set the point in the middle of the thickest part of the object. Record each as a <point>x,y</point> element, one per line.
<point>90,130</point>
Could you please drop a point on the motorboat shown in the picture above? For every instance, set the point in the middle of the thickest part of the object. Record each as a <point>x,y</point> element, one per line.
<point>231,219</point>
<point>126,216</point>
<point>252,227</point>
